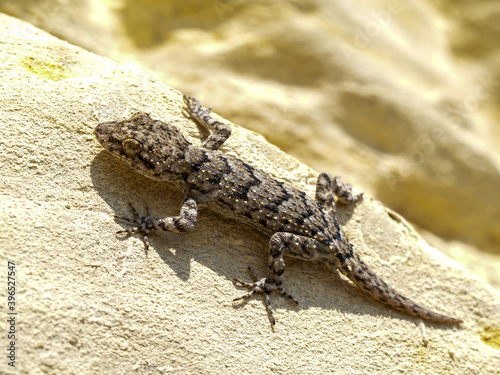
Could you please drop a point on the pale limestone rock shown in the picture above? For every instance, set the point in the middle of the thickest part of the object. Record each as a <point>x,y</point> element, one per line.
<point>400,97</point>
<point>90,302</point>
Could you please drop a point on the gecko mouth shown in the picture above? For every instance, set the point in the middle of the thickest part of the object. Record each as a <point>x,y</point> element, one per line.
<point>103,136</point>
<point>100,133</point>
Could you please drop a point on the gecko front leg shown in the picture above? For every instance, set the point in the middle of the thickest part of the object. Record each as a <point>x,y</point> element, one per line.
<point>186,221</point>
<point>220,131</point>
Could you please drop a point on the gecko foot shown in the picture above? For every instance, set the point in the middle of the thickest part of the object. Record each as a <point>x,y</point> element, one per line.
<point>144,225</point>
<point>263,286</point>
<point>344,192</point>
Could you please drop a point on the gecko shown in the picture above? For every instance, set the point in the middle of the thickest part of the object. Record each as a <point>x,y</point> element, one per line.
<point>297,225</point>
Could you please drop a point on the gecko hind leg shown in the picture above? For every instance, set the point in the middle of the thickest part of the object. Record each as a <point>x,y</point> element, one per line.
<point>324,193</point>
<point>280,244</point>
<point>328,186</point>
<point>344,191</point>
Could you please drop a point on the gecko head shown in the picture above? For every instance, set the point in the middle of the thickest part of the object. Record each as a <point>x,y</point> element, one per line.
<point>151,147</point>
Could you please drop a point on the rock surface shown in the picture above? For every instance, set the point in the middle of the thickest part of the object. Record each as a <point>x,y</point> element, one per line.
<point>90,302</point>
<point>399,96</point>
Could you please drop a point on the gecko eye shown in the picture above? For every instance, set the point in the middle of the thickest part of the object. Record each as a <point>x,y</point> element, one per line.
<point>131,147</point>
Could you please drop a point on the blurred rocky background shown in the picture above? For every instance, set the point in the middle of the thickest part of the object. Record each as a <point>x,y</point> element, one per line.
<point>401,98</point>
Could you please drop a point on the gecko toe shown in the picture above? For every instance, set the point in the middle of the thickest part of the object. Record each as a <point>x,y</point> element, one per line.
<point>265,287</point>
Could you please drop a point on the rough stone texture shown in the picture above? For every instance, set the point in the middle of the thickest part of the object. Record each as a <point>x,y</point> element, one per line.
<point>90,302</point>
<point>401,96</point>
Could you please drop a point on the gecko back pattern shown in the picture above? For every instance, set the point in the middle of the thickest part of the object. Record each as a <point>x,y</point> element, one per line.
<point>298,225</point>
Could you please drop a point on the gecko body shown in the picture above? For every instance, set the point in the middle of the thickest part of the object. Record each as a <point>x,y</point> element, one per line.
<point>298,225</point>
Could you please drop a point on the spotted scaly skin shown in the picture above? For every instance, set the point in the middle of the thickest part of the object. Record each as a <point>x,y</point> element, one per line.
<point>298,225</point>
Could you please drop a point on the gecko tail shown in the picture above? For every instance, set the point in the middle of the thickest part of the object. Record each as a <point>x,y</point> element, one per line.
<point>360,274</point>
